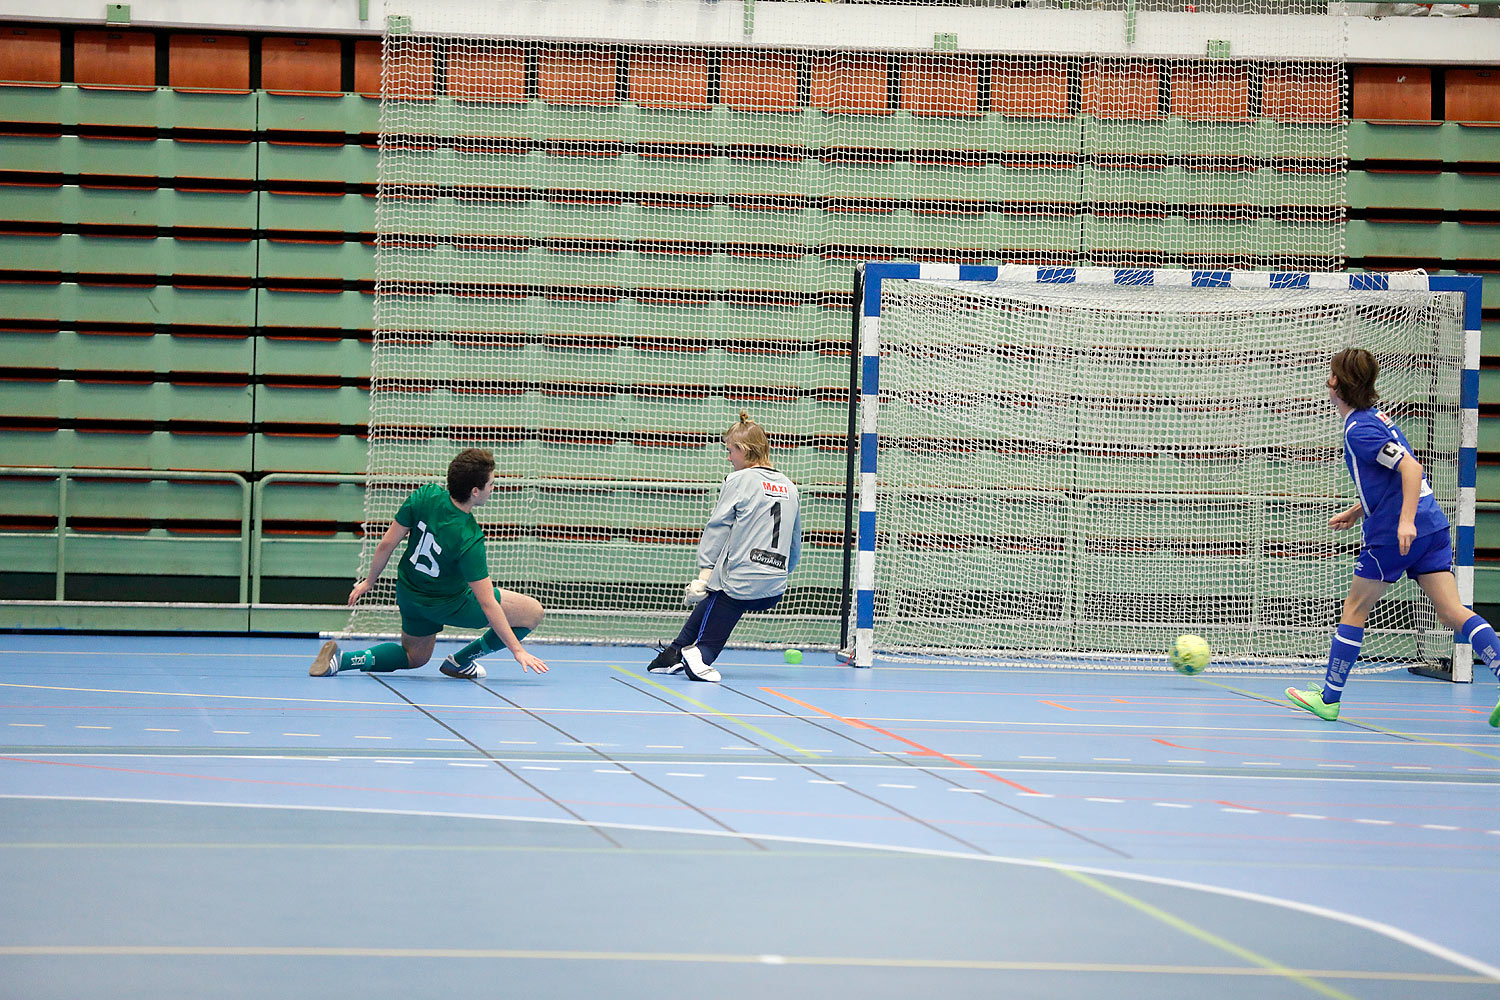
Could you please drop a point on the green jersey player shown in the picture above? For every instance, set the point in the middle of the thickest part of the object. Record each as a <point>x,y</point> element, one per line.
<point>442,579</point>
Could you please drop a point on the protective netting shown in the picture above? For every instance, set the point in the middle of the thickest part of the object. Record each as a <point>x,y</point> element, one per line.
<point>1075,469</point>
<point>593,254</point>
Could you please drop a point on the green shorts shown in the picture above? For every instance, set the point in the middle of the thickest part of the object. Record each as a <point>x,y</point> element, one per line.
<point>421,617</point>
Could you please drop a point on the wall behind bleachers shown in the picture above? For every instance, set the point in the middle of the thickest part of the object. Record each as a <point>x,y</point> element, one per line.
<point>186,283</point>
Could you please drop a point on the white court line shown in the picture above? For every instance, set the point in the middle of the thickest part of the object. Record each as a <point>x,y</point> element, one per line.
<point>1374,926</point>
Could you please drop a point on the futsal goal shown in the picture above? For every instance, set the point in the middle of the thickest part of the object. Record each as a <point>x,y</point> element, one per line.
<point>1075,465</point>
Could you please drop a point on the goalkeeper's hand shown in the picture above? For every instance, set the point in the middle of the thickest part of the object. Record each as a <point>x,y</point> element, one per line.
<point>694,592</point>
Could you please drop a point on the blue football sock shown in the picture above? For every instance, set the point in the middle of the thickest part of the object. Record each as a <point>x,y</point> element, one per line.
<point>1483,641</point>
<point>1341,656</point>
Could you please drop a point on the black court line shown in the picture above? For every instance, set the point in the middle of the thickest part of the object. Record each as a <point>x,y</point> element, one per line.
<point>810,769</point>
<point>610,760</point>
<point>500,763</point>
<point>933,774</point>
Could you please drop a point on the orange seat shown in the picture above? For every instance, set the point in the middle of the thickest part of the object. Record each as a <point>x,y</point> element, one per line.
<point>485,71</point>
<point>578,76</point>
<point>669,78</point>
<point>311,67</point>
<point>1306,93</point>
<point>30,57</point>
<point>115,60</point>
<point>1120,89</point>
<point>940,85</point>
<point>851,85</point>
<point>1392,93</point>
<point>1026,88</point>
<point>216,64</point>
<point>1472,95</point>
<point>367,69</point>
<point>1210,92</point>
<point>407,71</point>
<point>758,81</point>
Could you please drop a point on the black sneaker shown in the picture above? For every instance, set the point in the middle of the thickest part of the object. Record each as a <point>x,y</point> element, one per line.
<point>668,660</point>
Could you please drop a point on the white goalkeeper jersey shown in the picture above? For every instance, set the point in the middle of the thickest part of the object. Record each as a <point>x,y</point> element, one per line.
<point>753,539</point>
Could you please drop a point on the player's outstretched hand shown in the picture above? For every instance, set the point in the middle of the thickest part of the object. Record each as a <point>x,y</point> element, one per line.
<point>694,592</point>
<point>360,590</point>
<point>529,662</point>
<point>1344,520</point>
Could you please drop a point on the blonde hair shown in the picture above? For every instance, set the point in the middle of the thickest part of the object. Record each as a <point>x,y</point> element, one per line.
<point>752,438</point>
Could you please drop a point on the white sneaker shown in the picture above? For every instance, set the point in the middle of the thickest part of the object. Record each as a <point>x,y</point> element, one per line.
<point>473,672</point>
<point>326,663</point>
<point>692,662</point>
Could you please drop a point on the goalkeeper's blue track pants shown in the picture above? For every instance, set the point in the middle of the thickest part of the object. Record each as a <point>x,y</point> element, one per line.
<point>709,625</point>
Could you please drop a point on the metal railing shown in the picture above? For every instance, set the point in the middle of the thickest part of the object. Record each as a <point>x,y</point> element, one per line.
<point>252,506</point>
<point>257,526</point>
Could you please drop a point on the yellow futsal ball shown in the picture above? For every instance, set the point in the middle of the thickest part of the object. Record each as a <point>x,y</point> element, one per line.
<point>793,656</point>
<point>1189,654</point>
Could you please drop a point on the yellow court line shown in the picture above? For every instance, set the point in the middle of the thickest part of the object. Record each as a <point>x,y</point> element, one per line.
<point>1173,921</point>
<point>1361,722</point>
<point>1108,968</point>
<point>199,694</point>
<point>714,711</point>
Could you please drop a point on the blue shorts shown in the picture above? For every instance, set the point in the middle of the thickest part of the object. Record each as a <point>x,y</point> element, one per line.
<point>1430,553</point>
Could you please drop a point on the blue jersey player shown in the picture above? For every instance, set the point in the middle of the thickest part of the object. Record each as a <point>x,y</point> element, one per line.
<point>1405,532</point>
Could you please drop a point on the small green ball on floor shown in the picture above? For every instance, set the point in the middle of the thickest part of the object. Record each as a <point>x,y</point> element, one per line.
<point>793,655</point>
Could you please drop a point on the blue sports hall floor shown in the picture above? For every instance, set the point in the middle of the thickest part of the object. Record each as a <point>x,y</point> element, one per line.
<point>196,817</point>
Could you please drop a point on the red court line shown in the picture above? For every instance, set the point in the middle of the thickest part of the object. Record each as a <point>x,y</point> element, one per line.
<point>919,751</point>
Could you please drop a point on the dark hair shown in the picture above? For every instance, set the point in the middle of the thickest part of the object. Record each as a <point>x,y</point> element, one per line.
<point>469,471</point>
<point>1356,370</point>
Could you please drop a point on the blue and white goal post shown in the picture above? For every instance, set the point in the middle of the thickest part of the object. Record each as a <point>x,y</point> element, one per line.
<point>1071,466</point>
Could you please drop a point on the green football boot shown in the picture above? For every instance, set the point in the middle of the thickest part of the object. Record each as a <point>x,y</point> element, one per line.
<point>1312,700</point>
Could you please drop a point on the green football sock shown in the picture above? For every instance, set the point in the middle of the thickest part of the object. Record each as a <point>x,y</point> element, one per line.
<point>381,659</point>
<point>487,643</point>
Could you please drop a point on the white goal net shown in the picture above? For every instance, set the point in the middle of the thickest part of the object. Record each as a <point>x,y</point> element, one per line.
<point>607,226</point>
<point>1079,470</point>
